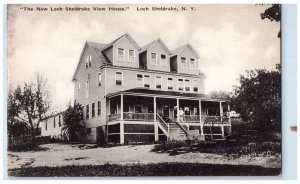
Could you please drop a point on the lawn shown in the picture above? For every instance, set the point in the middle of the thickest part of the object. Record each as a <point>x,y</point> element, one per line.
<point>164,169</point>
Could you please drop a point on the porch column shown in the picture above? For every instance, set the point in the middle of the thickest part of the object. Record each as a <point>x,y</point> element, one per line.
<point>177,101</point>
<point>121,132</point>
<point>121,122</point>
<point>229,119</point>
<point>221,118</point>
<point>155,123</point>
<point>121,110</point>
<point>200,114</point>
<point>154,108</point>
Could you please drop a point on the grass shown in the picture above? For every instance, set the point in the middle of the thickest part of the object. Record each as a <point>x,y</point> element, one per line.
<point>164,169</point>
<point>230,149</point>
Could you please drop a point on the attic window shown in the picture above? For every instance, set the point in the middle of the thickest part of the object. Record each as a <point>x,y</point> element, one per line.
<point>183,62</point>
<point>121,54</point>
<point>88,61</point>
<point>163,60</point>
<point>153,58</point>
<point>192,63</point>
<point>131,56</point>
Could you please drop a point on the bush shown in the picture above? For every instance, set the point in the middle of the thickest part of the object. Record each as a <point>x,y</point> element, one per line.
<point>223,148</point>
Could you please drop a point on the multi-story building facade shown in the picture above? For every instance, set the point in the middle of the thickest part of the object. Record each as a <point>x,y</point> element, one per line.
<point>145,94</point>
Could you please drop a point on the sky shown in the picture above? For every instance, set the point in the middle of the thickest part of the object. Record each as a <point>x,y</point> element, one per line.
<point>229,39</point>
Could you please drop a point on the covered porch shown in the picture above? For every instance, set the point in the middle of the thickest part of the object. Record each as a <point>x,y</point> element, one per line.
<point>191,113</point>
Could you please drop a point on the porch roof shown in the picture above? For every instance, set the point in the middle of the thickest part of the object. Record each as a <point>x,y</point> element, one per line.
<point>166,94</point>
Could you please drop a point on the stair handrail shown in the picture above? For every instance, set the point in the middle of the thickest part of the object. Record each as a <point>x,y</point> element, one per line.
<point>185,130</point>
<point>162,121</point>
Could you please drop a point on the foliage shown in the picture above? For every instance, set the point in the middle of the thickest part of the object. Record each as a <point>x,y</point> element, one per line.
<point>13,111</point>
<point>31,102</point>
<point>258,99</point>
<point>273,13</point>
<point>230,149</point>
<point>158,169</point>
<point>224,95</point>
<point>73,127</point>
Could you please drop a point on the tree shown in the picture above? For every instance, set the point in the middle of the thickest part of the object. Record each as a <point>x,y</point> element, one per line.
<point>73,127</point>
<point>35,102</point>
<point>224,95</point>
<point>13,111</point>
<point>258,99</point>
<point>273,13</point>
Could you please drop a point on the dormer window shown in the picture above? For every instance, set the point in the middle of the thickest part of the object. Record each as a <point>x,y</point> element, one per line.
<point>131,56</point>
<point>183,62</point>
<point>192,63</point>
<point>153,59</point>
<point>163,60</point>
<point>121,54</point>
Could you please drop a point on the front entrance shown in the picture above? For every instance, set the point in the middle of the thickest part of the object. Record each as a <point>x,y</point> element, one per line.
<point>166,111</point>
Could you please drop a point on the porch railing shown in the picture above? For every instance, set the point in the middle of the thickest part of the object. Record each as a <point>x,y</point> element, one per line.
<point>191,118</point>
<point>132,116</point>
<point>138,116</point>
<point>215,119</point>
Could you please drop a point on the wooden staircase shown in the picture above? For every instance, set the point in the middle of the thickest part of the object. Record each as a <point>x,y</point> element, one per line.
<point>177,132</point>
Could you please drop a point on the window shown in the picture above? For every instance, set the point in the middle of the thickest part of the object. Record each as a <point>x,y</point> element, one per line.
<point>46,123</point>
<point>146,81</point>
<point>88,61</point>
<point>195,86</point>
<point>131,56</point>
<point>99,79</point>
<point>163,60</point>
<point>87,86</point>
<point>187,85</point>
<point>183,62</point>
<point>180,84</point>
<point>153,58</point>
<point>99,108</point>
<point>121,54</point>
<point>54,121</point>
<point>139,80</point>
<point>87,112</point>
<point>170,83</point>
<point>59,120</point>
<point>78,85</point>
<point>93,110</point>
<point>192,63</point>
<point>119,78</point>
<point>88,130</point>
<point>158,82</point>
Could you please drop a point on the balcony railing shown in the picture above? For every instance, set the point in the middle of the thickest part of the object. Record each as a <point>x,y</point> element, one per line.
<point>132,116</point>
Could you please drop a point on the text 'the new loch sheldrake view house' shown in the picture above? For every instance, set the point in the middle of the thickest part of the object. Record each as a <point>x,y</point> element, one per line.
<point>134,94</point>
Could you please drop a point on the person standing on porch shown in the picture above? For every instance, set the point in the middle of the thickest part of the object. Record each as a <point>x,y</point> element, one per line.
<point>180,113</point>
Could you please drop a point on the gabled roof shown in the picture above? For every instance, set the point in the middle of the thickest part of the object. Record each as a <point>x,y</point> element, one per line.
<point>124,35</point>
<point>151,44</point>
<point>178,50</point>
<point>96,48</point>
